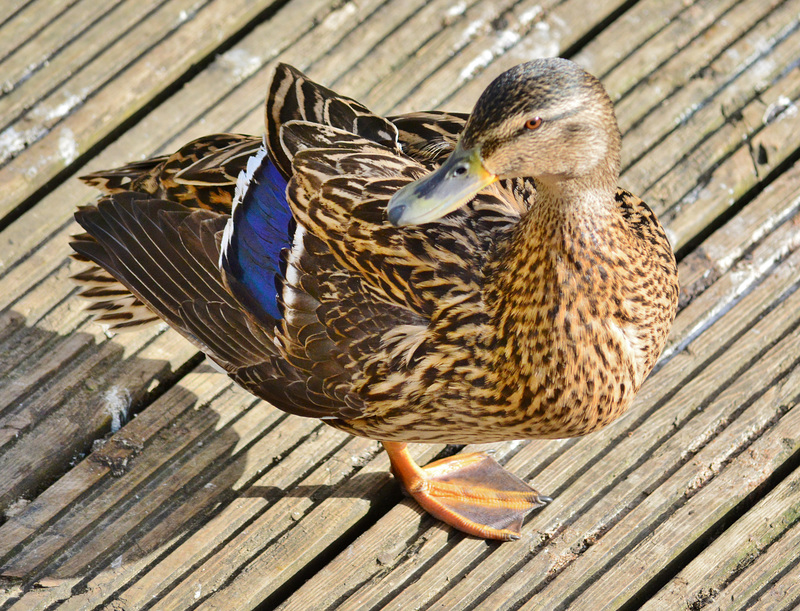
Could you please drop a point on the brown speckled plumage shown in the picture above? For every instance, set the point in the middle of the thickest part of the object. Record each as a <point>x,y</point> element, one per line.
<point>516,337</point>
<point>532,310</point>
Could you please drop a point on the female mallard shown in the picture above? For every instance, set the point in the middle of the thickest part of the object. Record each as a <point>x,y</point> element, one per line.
<point>346,284</point>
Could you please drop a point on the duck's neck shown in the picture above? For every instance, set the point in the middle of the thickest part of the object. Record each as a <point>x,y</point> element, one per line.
<point>544,278</point>
<point>568,220</point>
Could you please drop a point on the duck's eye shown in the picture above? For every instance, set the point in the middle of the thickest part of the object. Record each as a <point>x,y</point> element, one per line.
<point>533,123</point>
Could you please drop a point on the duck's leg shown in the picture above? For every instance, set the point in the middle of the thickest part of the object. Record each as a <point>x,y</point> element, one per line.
<point>471,492</point>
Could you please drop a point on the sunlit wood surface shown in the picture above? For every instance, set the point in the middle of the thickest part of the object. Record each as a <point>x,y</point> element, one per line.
<point>206,498</point>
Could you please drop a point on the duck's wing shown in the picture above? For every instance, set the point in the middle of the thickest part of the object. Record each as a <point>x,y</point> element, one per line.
<point>201,174</point>
<point>125,177</point>
<point>299,282</point>
<point>166,255</point>
<point>356,300</point>
<point>292,96</point>
<point>161,248</point>
<point>429,137</point>
<point>111,304</point>
<point>340,191</point>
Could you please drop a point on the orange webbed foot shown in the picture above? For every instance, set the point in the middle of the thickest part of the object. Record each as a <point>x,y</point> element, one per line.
<point>471,492</point>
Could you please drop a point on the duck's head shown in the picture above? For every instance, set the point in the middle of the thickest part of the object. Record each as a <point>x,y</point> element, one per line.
<point>547,119</point>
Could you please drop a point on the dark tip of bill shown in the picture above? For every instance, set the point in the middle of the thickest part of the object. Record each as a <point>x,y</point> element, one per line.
<point>545,499</point>
<point>395,213</point>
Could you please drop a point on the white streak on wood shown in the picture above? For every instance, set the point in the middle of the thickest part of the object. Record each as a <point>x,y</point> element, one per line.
<point>117,405</point>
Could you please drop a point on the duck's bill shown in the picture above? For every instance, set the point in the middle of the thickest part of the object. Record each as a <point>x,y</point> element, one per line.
<point>448,188</point>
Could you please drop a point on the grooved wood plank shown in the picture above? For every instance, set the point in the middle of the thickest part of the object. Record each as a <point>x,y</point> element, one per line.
<point>720,188</point>
<point>103,512</point>
<point>390,53</point>
<point>87,473</point>
<point>712,95</point>
<point>248,570</point>
<point>645,37</point>
<point>174,37</point>
<point>219,501</point>
<point>771,208</point>
<point>743,562</point>
<point>691,157</point>
<point>141,584</point>
<point>22,19</point>
<point>183,117</point>
<point>714,29</point>
<point>526,31</point>
<point>53,53</point>
<point>780,595</point>
<point>78,403</point>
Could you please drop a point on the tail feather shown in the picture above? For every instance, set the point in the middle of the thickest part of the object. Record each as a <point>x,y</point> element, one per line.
<point>110,301</point>
<point>166,256</point>
<point>122,179</point>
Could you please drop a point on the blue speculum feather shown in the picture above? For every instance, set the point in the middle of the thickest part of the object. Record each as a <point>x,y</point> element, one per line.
<point>262,228</point>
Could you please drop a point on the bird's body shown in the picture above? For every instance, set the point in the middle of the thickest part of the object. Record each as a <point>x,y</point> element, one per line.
<point>533,310</point>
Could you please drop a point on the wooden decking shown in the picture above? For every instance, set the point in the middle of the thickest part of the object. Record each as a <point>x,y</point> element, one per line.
<point>134,476</point>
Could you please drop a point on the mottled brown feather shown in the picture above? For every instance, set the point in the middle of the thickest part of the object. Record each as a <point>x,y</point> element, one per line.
<point>522,314</point>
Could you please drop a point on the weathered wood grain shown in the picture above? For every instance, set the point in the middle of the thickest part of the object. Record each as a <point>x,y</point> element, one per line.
<point>174,43</point>
<point>684,51</point>
<point>58,420</point>
<point>53,54</point>
<point>704,98</point>
<point>21,19</point>
<point>392,51</point>
<point>738,567</point>
<point>222,502</point>
<point>221,535</point>
<point>718,190</point>
<point>763,590</point>
<point>88,473</point>
<point>623,54</point>
<point>486,38</point>
<point>770,209</point>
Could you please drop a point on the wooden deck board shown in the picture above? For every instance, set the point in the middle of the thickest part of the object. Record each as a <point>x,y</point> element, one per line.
<point>208,499</point>
<point>707,97</point>
<point>174,37</point>
<point>737,568</point>
<point>60,49</point>
<point>22,19</point>
<point>488,38</point>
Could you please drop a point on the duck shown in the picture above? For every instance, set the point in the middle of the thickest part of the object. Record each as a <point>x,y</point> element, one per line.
<point>431,277</point>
